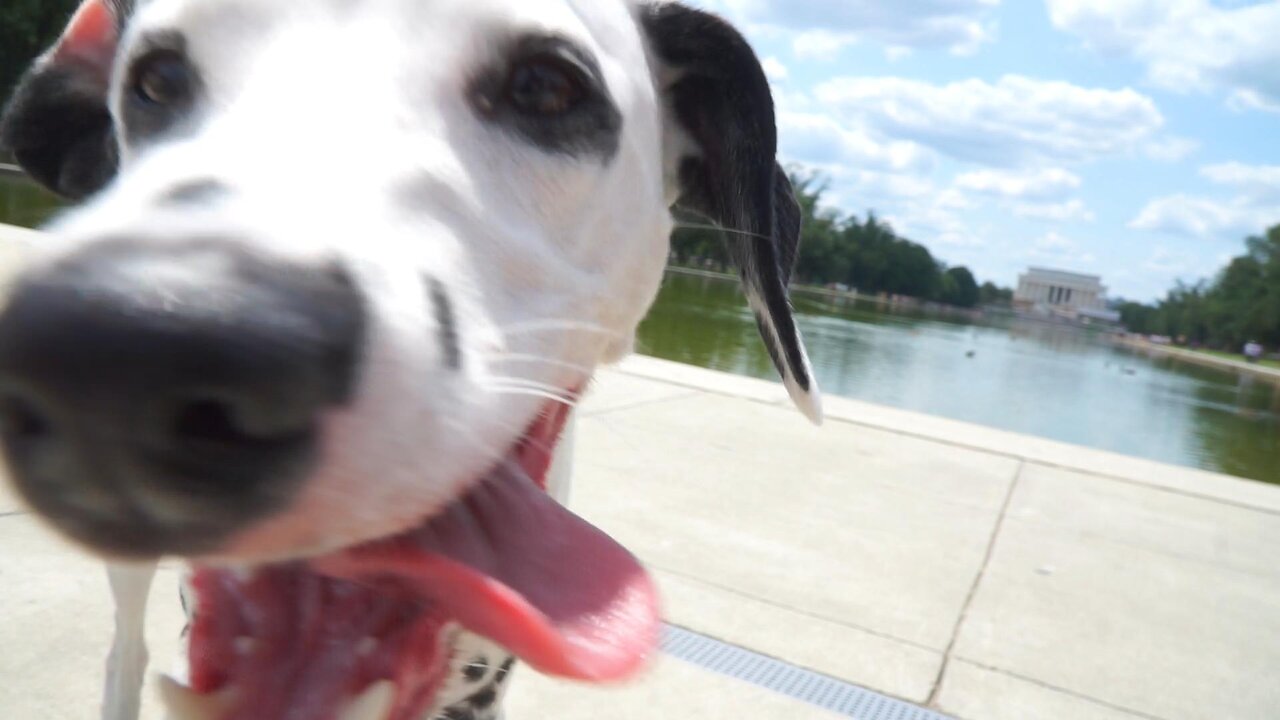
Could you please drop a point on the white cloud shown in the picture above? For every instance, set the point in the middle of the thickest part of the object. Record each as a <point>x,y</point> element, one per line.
<point>774,69</point>
<point>1040,194</point>
<point>1171,148</point>
<point>897,52</point>
<point>916,206</point>
<point>819,139</point>
<point>934,226</point>
<point>820,44</point>
<point>960,26</point>
<point>1171,263</point>
<point>1053,242</point>
<point>1060,251</point>
<point>1183,214</point>
<point>1013,121</point>
<point>1187,45</point>
<point>1071,210</point>
<point>1044,184</point>
<point>1260,184</point>
<point>1242,100</point>
<point>897,186</point>
<point>959,239</point>
<point>1254,207</point>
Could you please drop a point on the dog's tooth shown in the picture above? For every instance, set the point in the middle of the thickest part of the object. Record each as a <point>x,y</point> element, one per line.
<point>184,703</point>
<point>244,573</point>
<point>374,703</point>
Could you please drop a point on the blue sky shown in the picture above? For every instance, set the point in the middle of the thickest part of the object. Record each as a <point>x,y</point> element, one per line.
<point>1134,139</point>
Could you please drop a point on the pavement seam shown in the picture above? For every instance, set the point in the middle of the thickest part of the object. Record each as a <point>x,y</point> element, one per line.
<point>776,403</point>
<point>16,513</point>
<point>637,404</point>
<point>779,606</point>
<point>1064,691</point>
<point>973,589</point>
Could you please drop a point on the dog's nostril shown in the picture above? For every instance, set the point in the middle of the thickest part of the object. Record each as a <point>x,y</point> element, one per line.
<point>236,423</point>
<point>20,420</point>
<point>207,421</point>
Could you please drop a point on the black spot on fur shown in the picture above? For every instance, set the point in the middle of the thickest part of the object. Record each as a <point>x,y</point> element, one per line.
<point>721,98</point>
<point>770,342</point>
<point>476,670</point>
<point>504,670</point>
<point>194,191</point>
<point>446,323</point>
<point>485,699</point>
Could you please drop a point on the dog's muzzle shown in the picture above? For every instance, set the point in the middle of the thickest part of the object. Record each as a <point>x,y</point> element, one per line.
<point>156,398</point>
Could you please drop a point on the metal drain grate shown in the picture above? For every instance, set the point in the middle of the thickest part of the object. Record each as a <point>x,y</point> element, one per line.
<point>794,682</point>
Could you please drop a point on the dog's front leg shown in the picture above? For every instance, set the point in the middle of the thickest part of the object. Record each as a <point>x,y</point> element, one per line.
<point>127,663</point>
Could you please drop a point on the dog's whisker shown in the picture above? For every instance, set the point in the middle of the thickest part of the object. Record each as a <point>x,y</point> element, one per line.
<point>534,392</point>
<point>540,360</point>
<point>534,326</point>
<point>726,230</point>
<point>434,351</point>
<point>521,380</point>
<point>530,392</point>
<point>527,384</point>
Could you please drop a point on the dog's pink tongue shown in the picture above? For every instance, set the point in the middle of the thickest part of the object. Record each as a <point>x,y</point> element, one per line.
<point>512,564</point>
<point>300,641</point>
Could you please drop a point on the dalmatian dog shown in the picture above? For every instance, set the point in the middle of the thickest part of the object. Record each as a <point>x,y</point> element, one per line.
<point>340,271</point>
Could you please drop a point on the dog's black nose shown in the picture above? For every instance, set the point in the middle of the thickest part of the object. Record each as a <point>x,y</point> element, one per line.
<point>155,399</point>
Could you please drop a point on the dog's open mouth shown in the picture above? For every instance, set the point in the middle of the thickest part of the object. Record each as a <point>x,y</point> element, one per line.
<point>358,635</point>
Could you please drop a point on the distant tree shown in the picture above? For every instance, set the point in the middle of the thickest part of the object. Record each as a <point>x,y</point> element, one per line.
<point>27,27</point>
<point>695,242</point>
<point>867,255</point>
<point>1136,315</point>
<point>992,294</point>
<point>959,288</point>
<point>1240,305</point>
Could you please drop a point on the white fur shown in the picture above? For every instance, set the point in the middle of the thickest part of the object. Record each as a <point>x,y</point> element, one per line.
<point>344,132</point>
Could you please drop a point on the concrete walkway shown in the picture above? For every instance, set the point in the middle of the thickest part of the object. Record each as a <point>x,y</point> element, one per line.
<point>988,575</point>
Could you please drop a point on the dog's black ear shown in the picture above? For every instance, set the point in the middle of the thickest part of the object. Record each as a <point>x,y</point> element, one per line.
<point>57,124</point>
<point>722,148</point>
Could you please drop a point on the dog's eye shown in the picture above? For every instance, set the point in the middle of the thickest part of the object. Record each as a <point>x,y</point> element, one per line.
<point>162,78</point>
<point>550,91</point>
<point>546,85</point>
